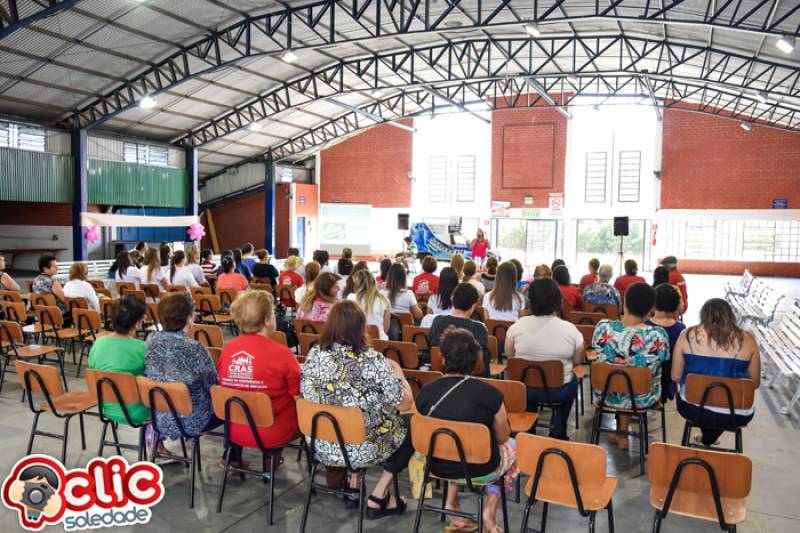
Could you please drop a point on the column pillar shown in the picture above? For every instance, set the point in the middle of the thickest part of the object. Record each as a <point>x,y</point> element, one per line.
<point>269,204</point>
<point>80,199</point>
<point>191,175</point>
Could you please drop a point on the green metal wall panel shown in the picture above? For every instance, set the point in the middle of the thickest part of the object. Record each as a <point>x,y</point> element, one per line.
<point>27,176</point>
<point>115,183</point>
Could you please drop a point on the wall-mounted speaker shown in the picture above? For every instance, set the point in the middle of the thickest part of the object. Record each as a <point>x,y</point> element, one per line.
<point>402,221</point>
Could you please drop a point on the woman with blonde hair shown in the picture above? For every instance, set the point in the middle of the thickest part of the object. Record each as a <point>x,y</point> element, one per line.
<point>479,247</point>
<point>470,273</point>
<point>542,271</point>
<point>318,301</point>
<point>193,264</point>
<point>151,269</point>
<point>503,302</point>
<point>457,262</point>
<point>311,273</point>
<point>371,301</point>
<point>78,287</point>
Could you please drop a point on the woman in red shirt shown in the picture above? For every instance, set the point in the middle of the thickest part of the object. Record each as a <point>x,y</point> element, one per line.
<point>591,277</point>
<point>427,283</point>
<point>479,247</point>
<point>623,282</point>
<point>571,294</point>
<point>290,277</point>
<point>230,279</point>
<point>254,362</point>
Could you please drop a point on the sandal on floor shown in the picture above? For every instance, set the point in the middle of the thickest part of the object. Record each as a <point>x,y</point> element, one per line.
<point>384,510</point>
<point>466,525</point>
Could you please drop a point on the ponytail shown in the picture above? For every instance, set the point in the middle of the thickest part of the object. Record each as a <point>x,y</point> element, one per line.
<point>176,259</point>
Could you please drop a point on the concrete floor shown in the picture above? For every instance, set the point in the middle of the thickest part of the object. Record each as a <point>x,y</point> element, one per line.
<point>770,441</point>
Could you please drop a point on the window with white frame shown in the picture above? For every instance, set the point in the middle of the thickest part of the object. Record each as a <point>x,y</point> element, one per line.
<point>630,173</point>
<point>700,238</point>
<point>437,178</point>
<point>22,137</point>
<point>596,165</point>
<point>146,154</point>
<point>465,178</point>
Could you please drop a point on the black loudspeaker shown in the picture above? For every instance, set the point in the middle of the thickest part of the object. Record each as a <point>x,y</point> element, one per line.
<point>402,221</point>
<point>620,226</point>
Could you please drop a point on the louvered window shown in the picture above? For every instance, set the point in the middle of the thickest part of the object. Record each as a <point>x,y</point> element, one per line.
<point>146,154</point>
<point>596,164</point>
<point>465,178</point>
<point>630,170</point>
<point>437,178</point>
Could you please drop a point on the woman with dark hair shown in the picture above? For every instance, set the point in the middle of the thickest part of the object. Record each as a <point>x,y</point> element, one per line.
<point>344,267</point>
<point>126,271</point>
<point>230,279</point>
<point>666,316</point>
<point>400,298</point>
<point>544,336</point>
<point>488,276</point>
<point>557,263</point>
<point>522,286</point>
<point>629,278</point>
<point>45,284</point>
<point>503,302</point>
<point>660,275</point>
<point>427,283</point>
<point>121,351</point>
<point>465,301</point>
<point>179,273</point>
<point>318,301</point>
<point>715,347</point>
<point>458,397</point>
<point>385,265</point>
<point>172,356</point>
<point>151,270</point>
<point>441,303</point>
<point>322,257</point>
<point>631,342</point>
<point>335,373</point>
<point>349,286</point>
<point>241,268</point>
<point>311,273</point>
<point>264,269</point>
<point>571,294</point>
<point>164,253</point>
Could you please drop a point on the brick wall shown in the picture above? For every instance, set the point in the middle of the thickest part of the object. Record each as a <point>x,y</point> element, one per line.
<point>712,163</point>
<point>697,266</point>
<point>528,155</point>
<point>370,168</point>
<point>239,221</point>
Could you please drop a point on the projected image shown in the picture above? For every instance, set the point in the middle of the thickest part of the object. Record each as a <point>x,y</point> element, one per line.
<point>334,232</point>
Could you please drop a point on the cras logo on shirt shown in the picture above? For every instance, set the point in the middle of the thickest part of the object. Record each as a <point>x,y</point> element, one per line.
<point>108,492</point>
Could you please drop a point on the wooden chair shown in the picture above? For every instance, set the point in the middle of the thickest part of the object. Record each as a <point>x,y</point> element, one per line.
<point>106,305</point>
<point>119,388</point>
<point>611,311</point>
<point>495,369</point>
<point>152,316</point>
<point>208,335</point>
<point>97,283</point>
<point>545,375</point>
<point>565,473</point>
<point>151,290</point>
<point>176,288</point>
<point>88,324</point>
<point>463,442</point>
<point>566,309</point>
<point>630,381</point>
<point>215,354</point>
<point>43,380</point>
<point>723,393</point>
<point>210,310</point>
<point>254,411</point>
<point>77,302</point>
<point>396,323</point>
<point>499,329</point>
<point>279,337</point>
<point>285,296</point>
<point>136,293</point>
<point>102,292</point>
<point>256,286</point>
<point>372,332</point>
<point>404,354</point>
<point>173,399</point>
<point>516,402</point>
<point>702,484</point>
<point>15,312</point>
<point>582,317</point>
<point>124,286</point>
<point>52,322</point>
<point>43,300</point>
<point>418,336</point>
<point>419,378</point>
<point>227,297</point>
<point>14,344</point>
<point>200,290</point>
<point>306,341</point>
<point>10,296</point>
<point>340,425</point>
<point>308,326</point>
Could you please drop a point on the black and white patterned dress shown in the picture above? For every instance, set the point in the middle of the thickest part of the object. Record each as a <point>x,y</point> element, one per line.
<point>365,380</point>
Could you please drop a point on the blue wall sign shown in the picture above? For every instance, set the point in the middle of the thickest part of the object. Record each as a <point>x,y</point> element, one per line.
<point>780,203</point>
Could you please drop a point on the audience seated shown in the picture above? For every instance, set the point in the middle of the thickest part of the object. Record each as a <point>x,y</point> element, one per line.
<point>347,253</point>
<point>193,265</point>
<point>470,274</point>
<point>264,269</point>
<point>623,282</point>
<point>715,347</point>
<point>254,362</point>
<point>400,298</point>
<point>289,276</point>
<point>668,301</point>
<point>151,270</point>
<point>384,266</point>
<point>459,398</point>
<point>322,257</point>
<point>465,300</point>
<point>164,254</point>
<point>248,260</point>
<point>457,262</point>
<point>349,285</point>
<point>571,294</point>
<point>121,351</point>
<point>126,270</point>
<point>542,271</point>
<point>179,273</point>
<point>427,283</point>
<point>600,292</point>
<point>544,336</point>
<point>241,268</point>
<point>311,273</point>
<point>334,374</point>
<point>45,284</point>
<point>318,301</point>
<point>557,263</point>
<point>291,251</point>
<point>591,277</point>
<point>503,302</point>
<point>522,286</point>
<point>229,279</point>
<point>487,276</point>
<point>631,342</point>
<point>78,287</point>
<point>676,278</point>
<point>207,262</point>
<point>372,303</point>
<point>7,283</point>
<point>661,277</point>
<point>441,303</point>
<point>172,356</point>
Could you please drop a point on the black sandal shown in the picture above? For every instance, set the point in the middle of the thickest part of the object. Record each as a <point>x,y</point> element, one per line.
<point>398,509</point>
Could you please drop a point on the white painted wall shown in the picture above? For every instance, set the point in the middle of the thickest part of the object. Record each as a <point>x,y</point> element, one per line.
<point>18,236</point>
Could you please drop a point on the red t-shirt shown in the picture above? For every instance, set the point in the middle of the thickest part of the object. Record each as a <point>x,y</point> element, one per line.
<point>426,284</point>
<point>232,281</point>
<point>572,295</point>
<point>255,363</point>
<point>623,282</point>
<point>676,278</point>
<point>586,280</point>
<point>290,277</point>
<point>479,248</point>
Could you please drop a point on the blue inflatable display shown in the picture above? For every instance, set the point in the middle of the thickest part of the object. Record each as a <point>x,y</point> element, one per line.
<point>428,243</point>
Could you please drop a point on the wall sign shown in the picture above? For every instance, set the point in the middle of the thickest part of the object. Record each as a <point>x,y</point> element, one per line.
<point>780,203</point>
<point>528,200</point>
<point>302,199</point>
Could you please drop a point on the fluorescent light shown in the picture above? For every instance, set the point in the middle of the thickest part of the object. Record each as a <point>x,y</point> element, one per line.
<point>761,96</point>
<point>785,44</point>
<point>746,126</point>
<point>255,126</point>
<point>289,56</point>
<point>533,29</point>
<point>147,102</point>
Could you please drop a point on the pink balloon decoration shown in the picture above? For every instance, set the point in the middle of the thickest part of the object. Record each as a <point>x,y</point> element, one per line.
<point>196,232</point>
<point>92,234</point>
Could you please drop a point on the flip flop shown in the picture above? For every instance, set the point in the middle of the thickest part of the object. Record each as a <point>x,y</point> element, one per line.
<point>384,509</point>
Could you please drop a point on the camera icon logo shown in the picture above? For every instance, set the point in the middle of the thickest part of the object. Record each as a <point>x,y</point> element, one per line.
<point>35,489</point>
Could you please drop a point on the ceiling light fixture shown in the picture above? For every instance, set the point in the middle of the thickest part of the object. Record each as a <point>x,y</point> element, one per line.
<point>786,44</point>
<point>255,126</point>
<point>289,56</point>
<point>761,96</point>
<point>746,126</point>
<point>533,29</point>
<point>147,102</point>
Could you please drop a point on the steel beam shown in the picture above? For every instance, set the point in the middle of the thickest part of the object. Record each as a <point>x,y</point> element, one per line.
<point>11,20</point>
<point>80,199</point>
<point>269,204</point>
<point>370,116</point>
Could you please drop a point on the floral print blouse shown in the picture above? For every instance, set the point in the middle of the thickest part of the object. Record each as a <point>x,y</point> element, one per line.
<point>173,357</point>
<point>43,284</point>
<point>318,312</point>
<point>601,293</point>
<point>639,346</point>
<point>340,376</point>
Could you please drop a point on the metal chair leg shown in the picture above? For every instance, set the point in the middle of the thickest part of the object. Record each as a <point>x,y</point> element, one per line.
<point>83,432</point>
<point>504,503</point>
<point>610,509</point>
<point>663,424</point>
<point>193,465</point>
<point>103,438</point>
<point>687,433</point>
<point>442,516</point>
<point>421,503</point>
<point>657,522</point>
<point>362,496</point>
<point>227,455</point>
<point>739,444</point>
<point>310,489</point>
<point>66,440</point>
<point>525,515</point>
<point>545,506</point>
<point>33,432</point>
<point>592,517</point>
<point>480,509</point>
<point>116,437</point>
<point>271,486</point>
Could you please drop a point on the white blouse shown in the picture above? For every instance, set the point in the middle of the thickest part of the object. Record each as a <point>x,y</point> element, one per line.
<point>77,288</point>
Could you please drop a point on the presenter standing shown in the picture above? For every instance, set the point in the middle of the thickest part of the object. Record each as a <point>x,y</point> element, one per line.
<point>479,247</point>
